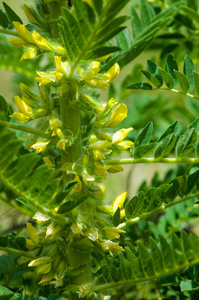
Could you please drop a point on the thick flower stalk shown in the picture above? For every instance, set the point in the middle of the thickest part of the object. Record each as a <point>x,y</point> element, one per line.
<point>66,97</point>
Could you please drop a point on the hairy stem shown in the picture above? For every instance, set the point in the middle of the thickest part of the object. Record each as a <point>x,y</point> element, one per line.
<point>173,160</point>
<point>22,128</point>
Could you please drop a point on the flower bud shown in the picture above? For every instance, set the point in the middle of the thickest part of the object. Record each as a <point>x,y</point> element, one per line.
<point>32,232</point>
<point>118,201</point>
<point>23,107</point>
<point>117,116</point>
<point>40,261</point>
<point>113,72</point>
<point>124,145</point>
<point>20,117</point>
<point>87,99</point>
<point>44,269</point>
<point>120,135</point>
<point>99,145</point>
<point>31,14</point>
<point>41,112</point>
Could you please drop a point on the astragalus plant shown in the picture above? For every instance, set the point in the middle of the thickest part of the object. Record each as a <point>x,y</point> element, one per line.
<point>63,137</point>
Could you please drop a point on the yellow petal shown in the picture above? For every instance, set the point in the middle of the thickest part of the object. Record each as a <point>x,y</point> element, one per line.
<point>20,117</point>
<point>40,146</point>
<point>23,107</point>
<point>99,145</point>
<point>90,73</point>
<point>120,135</point>
<point>47,162</point>
<point>23,32</point>
<point>17,42</point>
<point>113,72</point>
<point>96,83</point>
<point>40,41</point>
<point>97,154</point>
<point>30,53</point>
<point>118,201</point>
<point>117,116</point>
<point>124,145</point>
<point>78,185</point>
<point>32,232</point>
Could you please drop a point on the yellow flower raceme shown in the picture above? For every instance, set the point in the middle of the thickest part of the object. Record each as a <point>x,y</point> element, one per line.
<point>118,138</point>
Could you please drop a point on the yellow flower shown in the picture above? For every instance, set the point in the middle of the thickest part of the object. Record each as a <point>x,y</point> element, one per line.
<point>61,68</point>
<point>55,125</point>
<point>97,154</point>
<point>117,116</point>
<point>77,228</point>
<point>118,201</point>
<point>92,234</point>
<point>52,230</point>
<point>26,111</point>
<point>124,145</point>
<point>32,232</point>
<point>78,185</point>
<point>113,72</point>
<point>47,162</point>
<point>44,78</point>
<point>112,232</point>
<point>41,219</point>
<point>120,135</point>
<point>40,261</point>
<point>115,169</point>
<point>61,144</point>
<point>111,247</point>
<point>40,41</point>
<point>40,146</point>
<point>99,145</point>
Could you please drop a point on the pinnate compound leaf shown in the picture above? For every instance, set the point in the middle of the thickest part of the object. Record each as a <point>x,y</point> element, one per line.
<point>134,206</point>
<point>136,22</point>
<point>166,252</point>
<point>69,205</point>
<point>146,260</point>
<point>188,286</point>
<point>170,67</point>
<point>157,256</point>
<point>152,78</point>
<point>125,267</point>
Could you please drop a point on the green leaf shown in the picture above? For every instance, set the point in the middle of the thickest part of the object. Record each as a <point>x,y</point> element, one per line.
<point>170,67</point>
<point>157,256</point>
<point>146,260</point>
<point>144,136</point>
<point>193,15</point>
<point>11,14</point>
<point>134,206</point>
<point>125,267</point>
<point>116,217</point>
<point>177,249</point>
<point>140,86</point>
<point>167,253</point>
<point>192,181</point>
<point>47,193</point>
<point>69,41</point>
<point>145,13</point>
<point>61,195</point>
<point>115,274</point>
<point>171,129</point>
<point>3,109</point>
<point>143,150</point>
<point>186,143</point>
<point>188,69</point>
<point>135,263</point>
<point>101,51</point>
<point>83,18</point>
<point>69,205</point>
<point>74,28</point>
<point>165,146</point>
<point>188,247</point>
<point>176,186</point>
<point>3,19</point>
<point>189,285</point>
<point>167,78</point>
<point>152,78</point>
<point>195,124</point>
<point>136,22</point>
<point>123,40</point>
<point>196,81</point>
<point>98,6</point>
<point>183,81</point>
<point>153,68</point>
<point>5,293</point>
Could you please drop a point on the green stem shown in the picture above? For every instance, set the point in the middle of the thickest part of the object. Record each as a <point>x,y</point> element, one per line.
<point>17,207</point>
<point>22,128</point>
<point>18,252</point>
<point>10,32</point>
<point>125,161</point>
<point>123,283</point>
<point>155,211</point>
